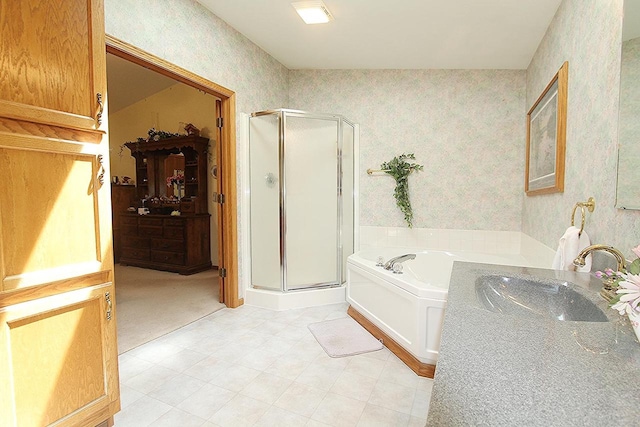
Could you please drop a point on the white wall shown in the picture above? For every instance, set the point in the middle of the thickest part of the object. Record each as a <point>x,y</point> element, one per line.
<point>168,110</point>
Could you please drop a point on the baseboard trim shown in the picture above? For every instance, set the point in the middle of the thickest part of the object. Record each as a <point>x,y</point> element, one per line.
<point>421,369</point>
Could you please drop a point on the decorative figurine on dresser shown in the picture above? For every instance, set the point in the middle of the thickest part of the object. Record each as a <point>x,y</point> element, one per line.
<point>169,230</point>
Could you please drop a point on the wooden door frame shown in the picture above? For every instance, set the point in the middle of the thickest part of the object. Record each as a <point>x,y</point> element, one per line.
<point>227,163</point>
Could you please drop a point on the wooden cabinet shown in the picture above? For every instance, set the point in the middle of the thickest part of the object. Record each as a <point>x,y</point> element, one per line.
<point>155,162</point>
<point>58,345</point>
<point>53,62</point>
<point>164,242</point>
<point>159,240</point>
<point>122,197</point>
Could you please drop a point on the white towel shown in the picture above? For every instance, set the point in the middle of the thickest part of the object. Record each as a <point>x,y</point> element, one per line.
<point>570,245</point>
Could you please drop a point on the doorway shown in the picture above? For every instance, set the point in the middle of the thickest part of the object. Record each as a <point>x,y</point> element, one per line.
<point>228,211</point>
<point>183,90</point>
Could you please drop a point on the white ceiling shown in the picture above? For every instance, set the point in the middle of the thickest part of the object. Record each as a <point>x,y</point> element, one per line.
<point>400,34</point>
<point>128,83</point>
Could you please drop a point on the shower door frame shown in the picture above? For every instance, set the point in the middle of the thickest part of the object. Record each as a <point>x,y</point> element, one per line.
<point>282,115</point>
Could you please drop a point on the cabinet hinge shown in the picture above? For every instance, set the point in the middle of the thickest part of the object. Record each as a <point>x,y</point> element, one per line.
<point>218,198</point>
<point>219,122</point>
<point>222,272</point>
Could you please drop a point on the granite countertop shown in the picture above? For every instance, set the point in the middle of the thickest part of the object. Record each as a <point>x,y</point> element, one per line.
<point>504,370</point>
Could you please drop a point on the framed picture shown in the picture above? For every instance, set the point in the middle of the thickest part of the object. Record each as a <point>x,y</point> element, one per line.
<point>546,138</point>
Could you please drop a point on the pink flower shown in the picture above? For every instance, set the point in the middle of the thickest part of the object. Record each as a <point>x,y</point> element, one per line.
<point>175,179</point>
<point>630,294</point>
<point>608,272</point>
<point>599,274</point>
<point>636,251</point>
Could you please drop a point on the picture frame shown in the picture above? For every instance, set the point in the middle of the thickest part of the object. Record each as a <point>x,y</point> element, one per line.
<point>546,138</point>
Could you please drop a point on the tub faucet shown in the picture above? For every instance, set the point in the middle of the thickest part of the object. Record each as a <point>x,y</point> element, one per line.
<point>607,292</point>
<point>396,260</point>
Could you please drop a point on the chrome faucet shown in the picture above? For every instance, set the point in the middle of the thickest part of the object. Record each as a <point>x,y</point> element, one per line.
<point>396,260</point>
<point>608,291</point>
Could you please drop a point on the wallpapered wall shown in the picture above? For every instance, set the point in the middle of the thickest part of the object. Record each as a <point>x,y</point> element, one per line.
<point>587,34</point>
<point>189,35</point>
<point>185,33</point>
<point>465,126</point>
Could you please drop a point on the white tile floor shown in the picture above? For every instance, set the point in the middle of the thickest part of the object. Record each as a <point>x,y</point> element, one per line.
<point>256,367</point>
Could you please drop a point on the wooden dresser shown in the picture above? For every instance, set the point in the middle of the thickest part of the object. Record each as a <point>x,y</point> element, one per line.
<point>159,240</point>
<point>163,242</point>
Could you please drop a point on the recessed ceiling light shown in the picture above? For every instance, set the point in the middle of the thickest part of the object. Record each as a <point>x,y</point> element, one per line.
<point>313,12</point>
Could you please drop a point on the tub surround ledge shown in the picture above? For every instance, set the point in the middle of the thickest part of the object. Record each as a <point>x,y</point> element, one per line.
<point>500,370</point>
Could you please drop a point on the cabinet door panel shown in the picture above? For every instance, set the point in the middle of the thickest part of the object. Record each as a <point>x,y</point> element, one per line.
<point>49,229</point>
<point>47,61</point>
<point>57,359</point>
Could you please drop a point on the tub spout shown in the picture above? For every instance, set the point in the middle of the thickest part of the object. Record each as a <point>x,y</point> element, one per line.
<point>396,260</point>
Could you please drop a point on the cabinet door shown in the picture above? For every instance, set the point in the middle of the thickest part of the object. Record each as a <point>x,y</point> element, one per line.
<point>58,352</point>
<point>58,360</point>
<point>48,56</point>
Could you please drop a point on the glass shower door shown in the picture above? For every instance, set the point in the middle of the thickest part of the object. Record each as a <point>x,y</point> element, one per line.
<point>347,194</point>
<point>265,201</point>
<point>311,180</point>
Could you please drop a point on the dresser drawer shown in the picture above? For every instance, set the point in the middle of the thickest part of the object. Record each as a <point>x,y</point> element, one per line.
<point>144,221</point>
<point>146,231</point>
<point>167,245</point>
<point>135,242</point>
<point>133,253</point>
<point>128,230</point>
<point>173,233</point>
<point>129,220</point>
<point>173,222</point>
<point>167,257</point>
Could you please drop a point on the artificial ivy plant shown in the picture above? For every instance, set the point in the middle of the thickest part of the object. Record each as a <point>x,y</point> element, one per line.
<point>399,168</point>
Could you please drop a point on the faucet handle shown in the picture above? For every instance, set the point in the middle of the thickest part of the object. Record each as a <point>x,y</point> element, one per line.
<point>380,262</point>
<point>397,268</point>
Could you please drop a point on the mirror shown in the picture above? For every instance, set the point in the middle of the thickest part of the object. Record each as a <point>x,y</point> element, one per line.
<point>628,188</point>
<point>174,167</point>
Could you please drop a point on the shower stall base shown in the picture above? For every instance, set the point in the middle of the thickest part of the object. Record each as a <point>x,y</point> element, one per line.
<point>293,300</point>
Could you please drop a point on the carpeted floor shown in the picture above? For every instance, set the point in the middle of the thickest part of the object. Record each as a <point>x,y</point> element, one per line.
<point>152,303</point>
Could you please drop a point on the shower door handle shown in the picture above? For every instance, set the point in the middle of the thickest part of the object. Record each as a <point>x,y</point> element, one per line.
<point>270,179</point>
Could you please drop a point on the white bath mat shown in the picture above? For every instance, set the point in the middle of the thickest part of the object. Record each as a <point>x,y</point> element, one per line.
<point>344,337</point>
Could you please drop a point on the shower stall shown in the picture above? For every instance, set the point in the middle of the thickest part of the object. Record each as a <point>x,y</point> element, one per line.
<point>302,199</point>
